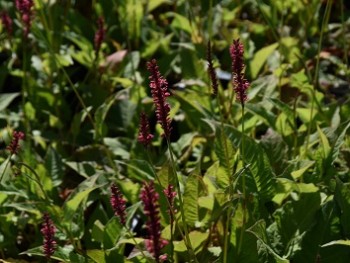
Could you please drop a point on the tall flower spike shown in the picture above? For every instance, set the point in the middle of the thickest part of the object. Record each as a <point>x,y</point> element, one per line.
<point>14,146</point>
<point>240,84</point>
<point>48,230</point>
<point>211,71</point>
<point>6,22</point>
<point>155,243</point>
<point>24,8</point>
<point>118,204</point>
<point>145,137</point>
<point>159,89</point>
<point>100,34</point>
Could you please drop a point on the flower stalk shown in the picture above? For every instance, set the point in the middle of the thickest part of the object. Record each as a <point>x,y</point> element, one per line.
<point>48,230</point>
<point>155,243</point>
<point>118,204</point>
<point>24,7</point>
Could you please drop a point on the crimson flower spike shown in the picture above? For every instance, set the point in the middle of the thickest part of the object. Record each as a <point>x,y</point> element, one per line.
<point>24,8</point>
<point>14,146</point>
<point>240,84</point>
<point>145,137</point>
<point>6,22</point>
<point>159,90</point>
<point>211,71</point>
<point>155,243</point>
<point>100,34</point>
<point>48,230</point>
<point>118,204</point>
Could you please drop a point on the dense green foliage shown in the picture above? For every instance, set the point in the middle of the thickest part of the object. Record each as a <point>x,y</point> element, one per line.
<point>277,190</point>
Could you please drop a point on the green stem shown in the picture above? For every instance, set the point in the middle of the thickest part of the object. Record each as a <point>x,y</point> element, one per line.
<point>315,81</point>
<point>187,239</point>
<point>227,234</point>
<point>171,209</point>
<point>243,186</point>
<point>37,179</point>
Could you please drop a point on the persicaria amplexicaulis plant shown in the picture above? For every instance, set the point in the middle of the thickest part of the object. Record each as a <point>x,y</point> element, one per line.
<point>24,7</point>
<point>6,22</point>
<point>155,243</point>
<point>14,146</point>
<point>100,34</point>
<point>48,230</point>
<point>240,84</point>
<point>145,137</point>
<point>159,90</point>
<point>118,204</point>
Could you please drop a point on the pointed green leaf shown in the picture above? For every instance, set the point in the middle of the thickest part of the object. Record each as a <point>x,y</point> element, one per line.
<point>259,231</point>
<point>190,199</point>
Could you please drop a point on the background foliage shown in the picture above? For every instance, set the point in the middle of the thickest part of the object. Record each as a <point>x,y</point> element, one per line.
<point>79,110</point>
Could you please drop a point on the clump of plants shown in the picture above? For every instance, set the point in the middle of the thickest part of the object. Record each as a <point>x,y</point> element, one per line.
<point>170,131</point>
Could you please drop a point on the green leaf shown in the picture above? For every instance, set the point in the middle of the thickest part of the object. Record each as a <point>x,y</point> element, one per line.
<point>337,242</point>
<point>140,170</point>
<point>260,58</point>
<point>299,173</point>
<point>326,149</point>
<point>295,218</point>
<point>112,233</point>
<point>78,119</point>
<point>180,22</point>
<point>190,199</point>
<point>85,169</point>
<point>5,170</point>
<point>153,4</point>
<point>260,167</point>
<point>96,255</point>
<point>267,115</point>
<point>6,99</point>
<point>197,240</point>
<point>97,231</point>
<point>342,198</point>
<point>78,197</point>
<point>225,153</point>
<point>64,254</point>
<point>259,231</point>
<point>100,116</point>
<point>339,142</point>
<point>54,166</point>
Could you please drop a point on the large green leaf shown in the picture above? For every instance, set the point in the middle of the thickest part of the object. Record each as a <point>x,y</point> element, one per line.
<point>190,200</point>
<point>256,157</point>
<point>54,166</point>
<point>100,116</point>
<point>6,99</point>
<point>260,58</point>
<point>78,197</point>
<point>294,219</point>
<point>342,197</point>
<point>259,231</point>
<point>339,142</point>
<point>225,153</point>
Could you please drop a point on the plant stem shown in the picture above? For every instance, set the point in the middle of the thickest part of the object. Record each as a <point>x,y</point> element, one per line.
<point>315,81</point>
<point>171,209</point>
<point>187,239</point>
<point>37,179</point>
<point>243,186</point>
